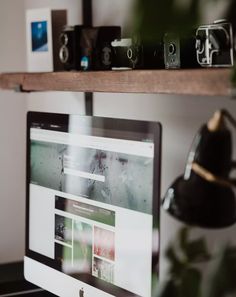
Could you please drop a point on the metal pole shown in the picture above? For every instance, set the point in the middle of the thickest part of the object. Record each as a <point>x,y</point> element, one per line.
<point>88,21</point>
<point>87,13</point>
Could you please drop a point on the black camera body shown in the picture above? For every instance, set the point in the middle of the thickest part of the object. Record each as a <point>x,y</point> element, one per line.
<point>134,54</point>
<point>96,49</point>
<point>70,52</point>
<point>179,52</point>
<point>126,55</point>
<point>153,55</point>
<point>87,45</point>
<point>87,48</point>
<point>103,53</point>
<point>214,45</point>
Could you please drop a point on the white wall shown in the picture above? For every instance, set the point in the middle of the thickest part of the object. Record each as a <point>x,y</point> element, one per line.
<point>12,134</point>
<point>180,116</point>
<point>55,101</point>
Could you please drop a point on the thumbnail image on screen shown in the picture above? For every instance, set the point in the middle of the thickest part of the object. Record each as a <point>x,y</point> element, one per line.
<point>39,35</point>
<point>63,229</point>
<point>118,179</point>
<point>82,246</point>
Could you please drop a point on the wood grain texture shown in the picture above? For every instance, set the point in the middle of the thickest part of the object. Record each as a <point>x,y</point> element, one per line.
<point>205,82</point>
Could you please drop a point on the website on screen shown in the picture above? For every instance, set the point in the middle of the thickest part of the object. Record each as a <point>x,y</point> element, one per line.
<point>91,206</point>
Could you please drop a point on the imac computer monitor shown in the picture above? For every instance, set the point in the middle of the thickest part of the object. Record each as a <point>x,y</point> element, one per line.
<point>92,213</point>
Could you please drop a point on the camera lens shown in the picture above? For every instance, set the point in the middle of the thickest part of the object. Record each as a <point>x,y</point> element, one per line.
<point>172,49</point>
<point>133,53</point>
<point>130,53</point>
<point>64,54</point>
<point>200,43</point>
<point>133,56</point>
<point>64,39</point>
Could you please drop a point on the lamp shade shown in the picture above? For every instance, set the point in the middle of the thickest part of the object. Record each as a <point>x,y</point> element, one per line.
<point>201,203</point>
<point>204,196</point>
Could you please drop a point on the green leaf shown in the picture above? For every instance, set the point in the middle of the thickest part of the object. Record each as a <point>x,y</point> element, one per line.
<point>190,283</point>
<point>196,251</point>
<point>153,18</point>
<point>183,238</point>
<point>168,289</point>
<point>222,280</point>
<point>176,265</point>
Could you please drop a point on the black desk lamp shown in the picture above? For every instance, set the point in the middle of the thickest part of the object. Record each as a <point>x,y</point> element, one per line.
<point>205,195</point>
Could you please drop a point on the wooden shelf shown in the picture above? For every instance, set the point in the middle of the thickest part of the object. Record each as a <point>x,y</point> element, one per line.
<point>204,82</point>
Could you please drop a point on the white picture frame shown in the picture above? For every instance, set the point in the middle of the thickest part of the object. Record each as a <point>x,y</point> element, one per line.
<point>43,27</point>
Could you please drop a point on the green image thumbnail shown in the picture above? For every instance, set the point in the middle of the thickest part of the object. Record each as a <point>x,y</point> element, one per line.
<point>82,247</point>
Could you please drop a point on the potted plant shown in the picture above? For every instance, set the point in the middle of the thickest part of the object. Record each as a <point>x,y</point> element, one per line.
<point>187,258</point>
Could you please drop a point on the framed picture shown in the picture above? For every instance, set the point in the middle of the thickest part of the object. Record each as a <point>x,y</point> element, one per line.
<point>43,27</point>
<point>39,36</point>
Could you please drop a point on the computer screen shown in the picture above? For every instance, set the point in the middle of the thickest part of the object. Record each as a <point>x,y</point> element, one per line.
<point>93,185</point>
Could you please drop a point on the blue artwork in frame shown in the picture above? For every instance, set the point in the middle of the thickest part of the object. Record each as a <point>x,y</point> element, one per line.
<point>39,35</point>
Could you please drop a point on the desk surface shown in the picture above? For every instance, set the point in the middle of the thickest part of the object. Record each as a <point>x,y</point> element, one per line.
<point>12,282</point>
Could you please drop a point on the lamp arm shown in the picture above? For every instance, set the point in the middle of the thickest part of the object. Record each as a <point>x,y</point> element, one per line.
<point>229,117</point>
<point>233,166</point>
<point>233,122</point>
<point>210,177</point>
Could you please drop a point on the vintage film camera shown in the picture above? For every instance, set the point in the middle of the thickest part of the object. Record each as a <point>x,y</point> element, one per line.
<point>70,52</point>
<point>214,44</point>
<point>86,48</point>
<point>103,52</point>
<point>96,49</point>
<point>179,51</point>
<point>126,54</point>
<point>134,54</point>
<point>87,45</point>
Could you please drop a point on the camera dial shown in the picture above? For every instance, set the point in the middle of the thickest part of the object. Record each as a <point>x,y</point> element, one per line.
<point>106,56</point>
